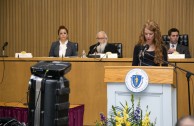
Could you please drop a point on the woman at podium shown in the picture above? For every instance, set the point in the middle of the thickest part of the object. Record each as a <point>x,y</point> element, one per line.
<point>150,50</point>
<point>62,47</point>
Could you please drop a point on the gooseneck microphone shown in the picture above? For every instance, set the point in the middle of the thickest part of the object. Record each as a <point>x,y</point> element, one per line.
<point>4,45</point>
<point>3,49</point>
<point>146,47</point>
<point>142,52</point>
<point>94,49</point>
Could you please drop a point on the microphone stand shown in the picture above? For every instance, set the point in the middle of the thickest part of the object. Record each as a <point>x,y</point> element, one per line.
<point>188,75</point>
<point>140,58</point>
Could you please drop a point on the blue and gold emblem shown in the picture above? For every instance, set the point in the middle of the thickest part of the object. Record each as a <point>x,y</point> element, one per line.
<point>136,80</point>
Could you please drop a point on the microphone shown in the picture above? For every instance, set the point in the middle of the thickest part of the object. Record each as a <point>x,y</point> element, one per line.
<point>3,49</point>
<point>4,45</point>
<point>93,50</point>
<point>141,53</point>
<point>142,50</point>
<point>146,47</point>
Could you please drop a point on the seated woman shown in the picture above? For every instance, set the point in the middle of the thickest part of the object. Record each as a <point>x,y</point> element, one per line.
<point>156,52</point>
<point>102,46</point>
<point>62,47</point>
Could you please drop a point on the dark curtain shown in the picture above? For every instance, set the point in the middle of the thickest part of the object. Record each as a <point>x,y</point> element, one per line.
<point>21,114</point>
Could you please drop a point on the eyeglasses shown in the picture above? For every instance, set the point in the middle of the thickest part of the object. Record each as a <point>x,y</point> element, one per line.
<point>101,38</point>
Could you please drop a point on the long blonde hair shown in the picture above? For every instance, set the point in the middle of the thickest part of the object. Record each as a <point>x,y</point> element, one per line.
<point>153,26</point>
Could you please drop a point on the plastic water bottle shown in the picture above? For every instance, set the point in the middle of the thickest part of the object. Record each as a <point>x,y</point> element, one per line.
<point>83,54</point>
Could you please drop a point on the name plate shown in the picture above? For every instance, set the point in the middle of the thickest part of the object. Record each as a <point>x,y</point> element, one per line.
<point>23,55</point>
<point>176,56</point>
<point>109,55</point>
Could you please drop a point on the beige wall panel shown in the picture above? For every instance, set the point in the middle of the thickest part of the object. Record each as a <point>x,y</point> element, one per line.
<point>32,25</point>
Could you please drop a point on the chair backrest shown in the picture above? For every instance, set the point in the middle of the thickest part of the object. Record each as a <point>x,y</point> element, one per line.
<point>119,49</point>
<point>76,46</point>
<point>183,39</point>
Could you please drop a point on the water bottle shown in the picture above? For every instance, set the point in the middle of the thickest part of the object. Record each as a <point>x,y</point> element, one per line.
<point>83,54</point>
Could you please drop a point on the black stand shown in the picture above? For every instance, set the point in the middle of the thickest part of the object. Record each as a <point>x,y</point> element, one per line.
<point>188,75</point>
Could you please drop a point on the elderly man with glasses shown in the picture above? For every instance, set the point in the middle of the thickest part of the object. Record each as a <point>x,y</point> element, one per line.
<point>102,46</point>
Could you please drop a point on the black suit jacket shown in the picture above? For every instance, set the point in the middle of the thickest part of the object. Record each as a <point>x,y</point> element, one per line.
<point>109,48</point>
<point>70,51</point>
<point>181,49</point>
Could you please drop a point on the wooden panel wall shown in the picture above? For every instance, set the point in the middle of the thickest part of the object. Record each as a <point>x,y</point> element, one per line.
<point>31,25</point>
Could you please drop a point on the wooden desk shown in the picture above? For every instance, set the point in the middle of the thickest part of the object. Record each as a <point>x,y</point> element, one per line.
<point>86,82</point>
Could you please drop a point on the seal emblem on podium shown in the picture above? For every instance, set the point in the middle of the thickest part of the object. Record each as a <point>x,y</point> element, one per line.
<point>136,80</point>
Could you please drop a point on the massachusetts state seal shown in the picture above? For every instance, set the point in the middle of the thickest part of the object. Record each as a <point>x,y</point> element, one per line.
<point>136,80</point>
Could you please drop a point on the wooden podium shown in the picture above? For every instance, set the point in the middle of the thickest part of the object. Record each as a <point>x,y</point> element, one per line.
<point>159,96</point>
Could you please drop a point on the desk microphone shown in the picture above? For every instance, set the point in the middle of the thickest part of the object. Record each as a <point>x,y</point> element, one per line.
<point>4,45</point>
<point>93,50</point>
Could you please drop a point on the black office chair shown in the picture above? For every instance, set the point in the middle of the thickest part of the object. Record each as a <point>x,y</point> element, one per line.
<point>183,39</point>
<point>119,49</point>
